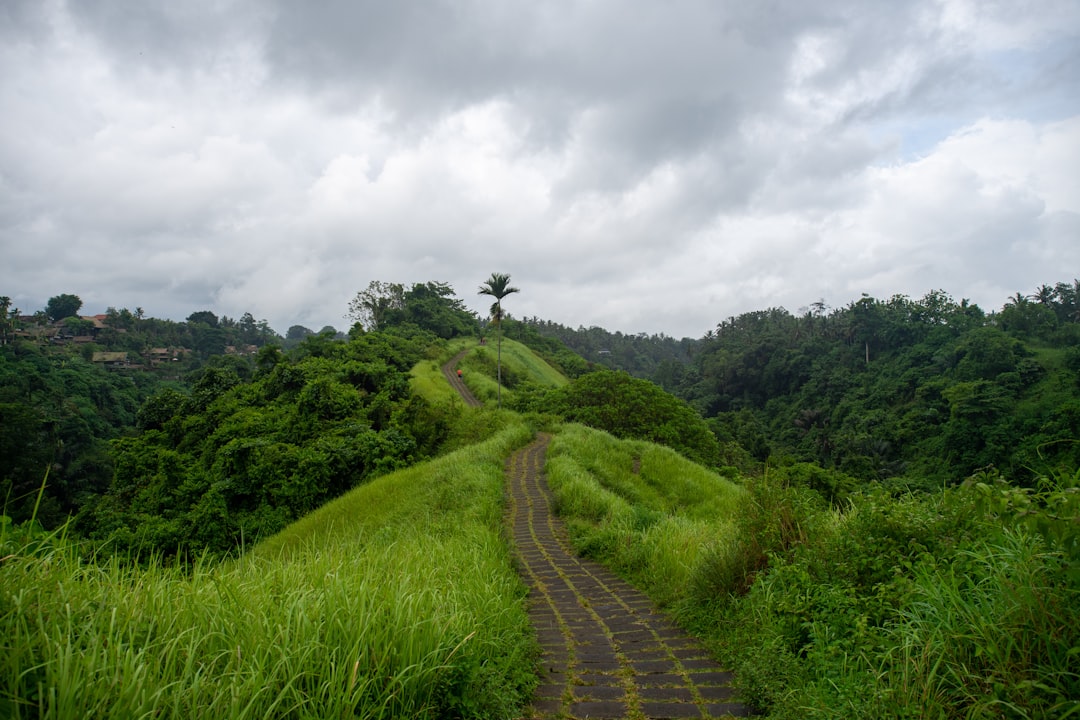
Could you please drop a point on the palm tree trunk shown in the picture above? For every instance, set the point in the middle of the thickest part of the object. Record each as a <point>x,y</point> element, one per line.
<point>498,360</point>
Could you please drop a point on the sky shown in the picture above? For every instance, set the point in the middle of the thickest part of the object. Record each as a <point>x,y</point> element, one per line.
<point>645,167</point>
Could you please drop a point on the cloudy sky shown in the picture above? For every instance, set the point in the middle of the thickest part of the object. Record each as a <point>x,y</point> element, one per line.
<point>642,166</point>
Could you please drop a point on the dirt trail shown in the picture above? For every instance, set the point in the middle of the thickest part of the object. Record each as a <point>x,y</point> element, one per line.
<point>450,371</point>
<point>607,653</point>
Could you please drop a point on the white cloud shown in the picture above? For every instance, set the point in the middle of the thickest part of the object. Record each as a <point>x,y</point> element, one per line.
<point>983,210</point>
<point>654,171</point>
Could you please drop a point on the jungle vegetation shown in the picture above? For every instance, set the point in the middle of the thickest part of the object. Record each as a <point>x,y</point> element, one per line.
<point>867,512</point>
<point>906,392</point>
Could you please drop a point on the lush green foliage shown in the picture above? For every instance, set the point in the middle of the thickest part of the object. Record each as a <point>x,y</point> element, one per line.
<point>62,306</point>
<point>430,306</point>
<point>641,507</point>
<point>960,603</point>
<point>202,335</point>
<point>833,597</point>
<point>924,391</point>
<point>397,600</point>
<point>659,358</point>
<point>629,407</point>
<point>57,413</point>
<point>235,461</point>
<point>162,347</point>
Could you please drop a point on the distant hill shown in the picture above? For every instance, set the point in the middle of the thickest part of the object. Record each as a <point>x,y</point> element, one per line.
<point>925,391</point>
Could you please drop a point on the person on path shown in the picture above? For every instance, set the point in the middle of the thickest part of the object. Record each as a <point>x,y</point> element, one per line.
<point>459,373</point>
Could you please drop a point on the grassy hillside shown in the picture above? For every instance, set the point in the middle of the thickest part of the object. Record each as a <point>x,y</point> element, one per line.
<point>427,378</point>
<point>395,600</point>
<point>642,508</point>
<point>957,604</point>
<point>399,599</point>
<point>520,367</point>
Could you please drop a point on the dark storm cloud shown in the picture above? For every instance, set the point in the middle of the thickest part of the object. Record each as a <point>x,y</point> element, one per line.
<point>418,58</point>
<point>638,86</point>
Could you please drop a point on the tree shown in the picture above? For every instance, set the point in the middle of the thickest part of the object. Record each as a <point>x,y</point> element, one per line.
<point>629,407</point>
<point>371,306</point>
<point>205,317</point>
<point>62,306</point>
<point>1044,295</point>
<point>77,326</point>
<point>296,334</point>
<point>433,307</point>
<point>249,329</point>
<point>498,286</point>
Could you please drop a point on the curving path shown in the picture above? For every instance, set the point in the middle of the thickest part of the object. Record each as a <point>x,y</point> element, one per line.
<point>606,652</point>
<point>449,370</point>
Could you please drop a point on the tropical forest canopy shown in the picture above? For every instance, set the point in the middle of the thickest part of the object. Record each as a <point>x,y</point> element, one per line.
<point>895,533</point>
<point>198,434</point>
<point>166,437</point>
<point>916,392</point>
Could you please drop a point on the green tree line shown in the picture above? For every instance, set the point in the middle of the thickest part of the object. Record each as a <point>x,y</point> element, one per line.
<point>57,414</point>
<point>100,438</point>
<point>238,458</point>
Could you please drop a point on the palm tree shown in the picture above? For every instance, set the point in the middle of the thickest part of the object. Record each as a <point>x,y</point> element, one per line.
<point>1044,295</point>
<point>1018,300</point>
<point>498,286</point>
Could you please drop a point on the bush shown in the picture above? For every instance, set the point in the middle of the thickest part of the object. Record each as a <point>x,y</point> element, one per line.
<point>957,604</point>
<point>629,407</point>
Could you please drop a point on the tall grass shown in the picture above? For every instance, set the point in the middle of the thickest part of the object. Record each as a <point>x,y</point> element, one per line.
<point>959,604</point>
<point>648,512</point>
<point>426,378</point>
<point>989,632</point>
<point>427,381</point>
<point>921,606</point>
<point>397,600</point>
<point>463,425</point>
<point>519,365</point>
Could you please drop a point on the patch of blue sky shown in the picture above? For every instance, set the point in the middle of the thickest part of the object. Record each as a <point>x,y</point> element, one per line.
<point>914,138</point>
<point>1039,84</point>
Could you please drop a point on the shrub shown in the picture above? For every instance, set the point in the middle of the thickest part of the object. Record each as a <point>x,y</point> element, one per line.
<point>632,408</point>
<point>957,604</point>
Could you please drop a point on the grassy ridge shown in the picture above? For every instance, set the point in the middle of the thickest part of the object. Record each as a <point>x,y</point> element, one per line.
<point>460,489</point>
<point>427,381</point>
<point>644,509</point>
<point>957,604</point>
<point>519,364</point>
<point>426,378</point>
<point>466,425</point>
<point>397,600</point>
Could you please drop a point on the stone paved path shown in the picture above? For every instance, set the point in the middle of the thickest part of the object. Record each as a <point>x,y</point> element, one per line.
<point>449,370</point>
<point>606,652</point>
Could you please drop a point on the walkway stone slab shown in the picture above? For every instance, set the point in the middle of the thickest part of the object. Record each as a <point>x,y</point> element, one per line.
<point>606,651</point>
